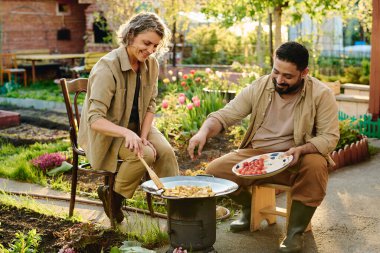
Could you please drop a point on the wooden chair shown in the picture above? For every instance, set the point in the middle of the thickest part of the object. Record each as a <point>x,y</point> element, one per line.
<point>78,86</point>
<point>8,66</point>
<point>90,59</point>
<point>264,205</point>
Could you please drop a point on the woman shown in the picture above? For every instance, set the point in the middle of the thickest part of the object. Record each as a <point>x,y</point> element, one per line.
<point>119,109</point>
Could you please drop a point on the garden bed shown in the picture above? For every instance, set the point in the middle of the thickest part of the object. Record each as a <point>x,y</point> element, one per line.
<point>25,134</point>
<point>54,231</point>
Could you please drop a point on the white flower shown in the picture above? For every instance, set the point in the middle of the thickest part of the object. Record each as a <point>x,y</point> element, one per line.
<point>174,78</point>
<point>170,72</point>
<point>219,74</point>
<point>180,73</point>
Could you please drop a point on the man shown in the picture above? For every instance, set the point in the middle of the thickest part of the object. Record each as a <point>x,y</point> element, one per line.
<point>289,111</point>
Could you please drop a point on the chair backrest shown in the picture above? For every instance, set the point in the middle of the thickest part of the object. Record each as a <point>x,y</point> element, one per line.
<point>8,61</point>
<point>76,86</point>
<point>91,58</point>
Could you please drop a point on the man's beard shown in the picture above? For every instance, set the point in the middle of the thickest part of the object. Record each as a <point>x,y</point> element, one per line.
<point>284,88</point>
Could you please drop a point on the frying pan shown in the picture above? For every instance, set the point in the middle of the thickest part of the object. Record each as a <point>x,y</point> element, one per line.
<point>219,186</point>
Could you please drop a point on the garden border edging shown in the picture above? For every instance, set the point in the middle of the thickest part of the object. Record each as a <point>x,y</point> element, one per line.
<point>35,103</point>
<point>351,154</point>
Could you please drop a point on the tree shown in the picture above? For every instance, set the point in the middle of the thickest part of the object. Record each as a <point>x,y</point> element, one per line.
<point>118,12</point>
<point>237,10</point>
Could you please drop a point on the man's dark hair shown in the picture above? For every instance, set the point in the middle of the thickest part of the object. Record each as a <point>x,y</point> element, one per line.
<point>295,53</point>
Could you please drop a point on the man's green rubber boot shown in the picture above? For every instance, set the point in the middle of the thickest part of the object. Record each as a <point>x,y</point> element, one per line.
<point>243,222</point>
<point>300,217</point>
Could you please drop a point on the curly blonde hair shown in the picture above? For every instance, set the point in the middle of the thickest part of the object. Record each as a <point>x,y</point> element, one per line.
<point>145,22</point>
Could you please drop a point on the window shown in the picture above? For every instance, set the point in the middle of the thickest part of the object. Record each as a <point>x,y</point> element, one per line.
<point>102,34</point>
<point>63,9</point>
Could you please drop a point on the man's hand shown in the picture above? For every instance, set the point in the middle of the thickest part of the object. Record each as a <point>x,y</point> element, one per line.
<point>296,153</point>
<point>307,148</point>
<point>133,142</point>
<point>198,140</point>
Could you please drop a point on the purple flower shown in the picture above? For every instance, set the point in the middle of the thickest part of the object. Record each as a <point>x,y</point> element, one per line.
<point>48,161</point>
<point>66,249</point>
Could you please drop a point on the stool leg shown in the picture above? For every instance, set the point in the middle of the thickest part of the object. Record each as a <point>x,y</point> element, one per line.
<point>262,198</point>
<point>288,206</point>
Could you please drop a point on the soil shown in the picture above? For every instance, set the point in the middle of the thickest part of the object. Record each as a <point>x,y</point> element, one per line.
<point>55,231</point>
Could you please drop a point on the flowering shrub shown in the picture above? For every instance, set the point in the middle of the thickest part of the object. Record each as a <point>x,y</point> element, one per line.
<point>66,249</point>
<point>189,98</point>
<point>46,162</point>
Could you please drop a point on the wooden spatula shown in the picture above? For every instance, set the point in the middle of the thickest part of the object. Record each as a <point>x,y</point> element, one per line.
<point>156,180</point>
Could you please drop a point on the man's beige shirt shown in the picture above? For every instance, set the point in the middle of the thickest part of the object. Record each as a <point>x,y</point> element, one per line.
<point>110,94</point>
<point>315,114</point>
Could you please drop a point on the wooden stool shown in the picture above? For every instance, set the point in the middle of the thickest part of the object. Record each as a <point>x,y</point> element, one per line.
<point>264,205</point>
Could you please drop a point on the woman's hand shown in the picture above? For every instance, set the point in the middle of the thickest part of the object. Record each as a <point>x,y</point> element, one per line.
<point>133,142</point>
<point>148,143</point>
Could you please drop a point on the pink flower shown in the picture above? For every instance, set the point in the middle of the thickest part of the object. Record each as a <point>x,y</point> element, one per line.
<point>195,98</point>
<point>208,70</point>
<point>192,71</point>
<point>185,76</point>
<point>190,106</point>
<point>182,95</point>
<point>197,103</point>
<point>48,161</point>
<point>165,104</point>
<point>182,100</point>
<point>183,84</point>
<point>198,79</point>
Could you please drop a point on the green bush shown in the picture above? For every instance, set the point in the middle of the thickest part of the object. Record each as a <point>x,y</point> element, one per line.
<point>349,133</point>
<point>352,74</point>
<point>23,243</point>
<point>215,45</point>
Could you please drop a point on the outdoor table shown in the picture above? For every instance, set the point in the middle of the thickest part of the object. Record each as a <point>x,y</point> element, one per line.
<point>40,57</point>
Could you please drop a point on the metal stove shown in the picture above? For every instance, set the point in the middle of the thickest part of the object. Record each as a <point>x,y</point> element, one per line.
<point>192,221</point>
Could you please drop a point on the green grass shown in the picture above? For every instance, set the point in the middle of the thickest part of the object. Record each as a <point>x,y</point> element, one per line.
<point>15,161</point>
<point>42,90</point>
<point>146,231</point>
<point>15,164</point>
<point>31,204</point>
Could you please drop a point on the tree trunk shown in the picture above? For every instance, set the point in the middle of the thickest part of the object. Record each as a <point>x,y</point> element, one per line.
<point>259,50</point>
<point>277,21</point>
<point>270,39</point>
<point>174,44</point>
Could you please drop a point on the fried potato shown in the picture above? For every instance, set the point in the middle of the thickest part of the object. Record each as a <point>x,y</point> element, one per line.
<point>184,191</point>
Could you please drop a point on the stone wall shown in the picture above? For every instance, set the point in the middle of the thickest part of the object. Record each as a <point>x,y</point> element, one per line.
<point>354,100</point>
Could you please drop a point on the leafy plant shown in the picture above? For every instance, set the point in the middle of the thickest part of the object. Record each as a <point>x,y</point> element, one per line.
<point>238,131</point>
<point>15,161</point>
<point>9,86</point>
<point>25,243</point>
<point>349,133</point>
